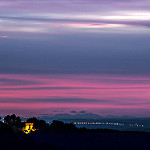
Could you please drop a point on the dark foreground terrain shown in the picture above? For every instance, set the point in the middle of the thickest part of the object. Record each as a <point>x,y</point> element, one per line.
<point>66,136</point>
<point>76,141</point>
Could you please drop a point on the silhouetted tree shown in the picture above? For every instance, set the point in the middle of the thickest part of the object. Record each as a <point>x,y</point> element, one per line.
<point>63,127</point>
<point>7,119</point>
<point>13,120</point>
<point>41,125</point>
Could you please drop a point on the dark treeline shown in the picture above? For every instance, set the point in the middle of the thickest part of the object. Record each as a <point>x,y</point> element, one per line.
<point>66,136</point>
<point>14,124</point>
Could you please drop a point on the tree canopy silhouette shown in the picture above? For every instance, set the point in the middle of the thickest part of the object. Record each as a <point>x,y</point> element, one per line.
<point>61,126</point>
<point>13,120</point>
<point>38,124</point>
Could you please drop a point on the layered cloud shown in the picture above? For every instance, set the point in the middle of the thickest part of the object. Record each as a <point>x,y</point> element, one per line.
<point>77,16</point>
<point>66,55</point>
<point>76,92</point>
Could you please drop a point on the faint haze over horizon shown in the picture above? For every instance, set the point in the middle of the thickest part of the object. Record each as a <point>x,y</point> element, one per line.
<point>74,55</point>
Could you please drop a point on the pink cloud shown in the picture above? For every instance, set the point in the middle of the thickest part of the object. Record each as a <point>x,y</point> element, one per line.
<point>60,105</point>
<point>105,92</point>
<point>4,36</point>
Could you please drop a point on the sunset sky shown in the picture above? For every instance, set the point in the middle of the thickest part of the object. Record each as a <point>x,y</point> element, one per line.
<point>58,56</point>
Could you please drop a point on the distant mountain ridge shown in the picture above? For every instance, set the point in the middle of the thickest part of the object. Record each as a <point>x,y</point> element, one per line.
<point>73,115</point>
<point>69,116</point>
<point>77,116</point>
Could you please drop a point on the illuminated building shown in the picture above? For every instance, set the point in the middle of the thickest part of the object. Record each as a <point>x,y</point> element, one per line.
<point>28,128</point>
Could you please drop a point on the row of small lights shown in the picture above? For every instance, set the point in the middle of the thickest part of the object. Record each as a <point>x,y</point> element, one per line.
<point>107,123</point>
<point>98,123</point>
<point>137,125</point>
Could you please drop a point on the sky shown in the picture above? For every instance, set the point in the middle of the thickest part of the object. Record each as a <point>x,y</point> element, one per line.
<point>75,55</point>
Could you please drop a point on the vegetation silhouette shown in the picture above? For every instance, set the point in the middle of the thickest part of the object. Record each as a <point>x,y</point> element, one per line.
<point>14,124</point>
<point>13,120</point>
<point>59,126</point>
<point>66,136</point>
<point>40,125</point>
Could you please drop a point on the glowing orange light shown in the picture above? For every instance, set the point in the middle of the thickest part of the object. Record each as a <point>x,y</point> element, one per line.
<point>28,128</point>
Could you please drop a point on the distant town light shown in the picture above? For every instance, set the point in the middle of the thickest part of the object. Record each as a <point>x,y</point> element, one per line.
<point>28,128</point>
